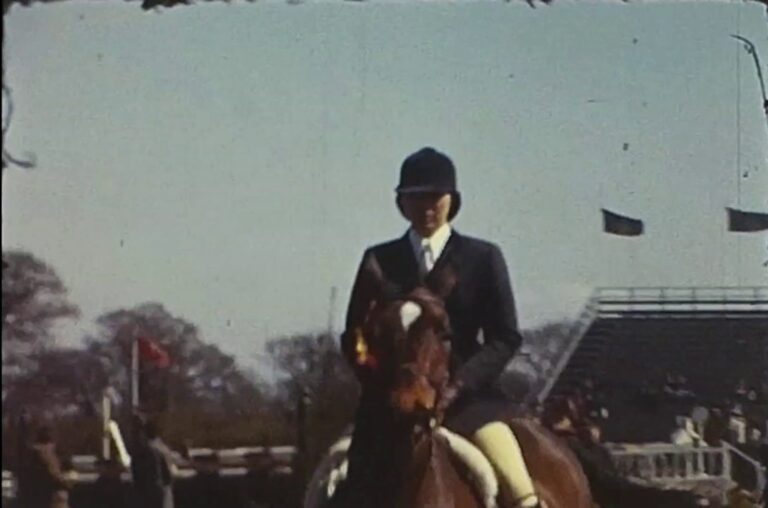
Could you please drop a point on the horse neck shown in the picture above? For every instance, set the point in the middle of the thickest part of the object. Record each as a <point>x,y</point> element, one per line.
<point>416,471</point>
<point>399,456</point>
<point>432,476</point>
<point>416,466</point>
<point>397,446</point>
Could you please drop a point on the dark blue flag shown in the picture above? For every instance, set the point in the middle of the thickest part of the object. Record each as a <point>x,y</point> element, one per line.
<point>746,222</point>
<point>621,225</point>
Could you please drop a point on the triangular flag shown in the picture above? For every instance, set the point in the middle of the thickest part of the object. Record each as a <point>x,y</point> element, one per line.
<point>746,222</point>
<point>621,225</point>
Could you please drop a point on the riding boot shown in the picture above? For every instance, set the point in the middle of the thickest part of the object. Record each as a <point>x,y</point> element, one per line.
<point>500,446</point>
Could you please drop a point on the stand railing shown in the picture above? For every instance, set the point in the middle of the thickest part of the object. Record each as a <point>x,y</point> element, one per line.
<point>669,300</point>
<point>670,464</point>
<point>757,479</point>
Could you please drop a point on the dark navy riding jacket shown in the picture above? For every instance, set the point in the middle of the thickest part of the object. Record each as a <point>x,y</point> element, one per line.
<point>480,301</point>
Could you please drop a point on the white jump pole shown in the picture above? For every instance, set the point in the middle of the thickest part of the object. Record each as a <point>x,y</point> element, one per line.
<point>106,416</point>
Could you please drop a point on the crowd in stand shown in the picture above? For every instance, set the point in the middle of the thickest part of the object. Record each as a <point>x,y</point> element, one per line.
<point>740,419</point>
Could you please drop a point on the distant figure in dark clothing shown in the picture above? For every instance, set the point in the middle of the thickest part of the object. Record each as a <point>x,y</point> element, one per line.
<point>42,483</point>
<point>716,427</point>
<point>109,490</point>
<point>207,488</point>
<point>151,467</point>
<point>258,486</point>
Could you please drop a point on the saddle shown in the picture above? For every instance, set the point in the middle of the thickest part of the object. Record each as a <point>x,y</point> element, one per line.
<point>333,469</point>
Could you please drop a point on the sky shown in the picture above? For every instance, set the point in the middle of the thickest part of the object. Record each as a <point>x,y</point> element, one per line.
<point>233,161</point>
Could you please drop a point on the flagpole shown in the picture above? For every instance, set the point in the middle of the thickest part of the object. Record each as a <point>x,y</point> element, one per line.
<point>135,375</point>
<point>752,50</point>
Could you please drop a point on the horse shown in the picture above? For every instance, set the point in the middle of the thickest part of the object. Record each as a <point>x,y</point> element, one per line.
<point>403,350</point>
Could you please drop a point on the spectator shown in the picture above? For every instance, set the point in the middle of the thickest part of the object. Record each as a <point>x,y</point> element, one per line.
<point>207,488</point>
<point>741,391</point>
<point>186,447</point>
<point>257,483</point>
<point>42,481</point>
<point>676,387</point>
<point>151,467</point>
<point>684,434</point>
<point>109,490</point>
<point>737,426</point>
<point>716,427</point>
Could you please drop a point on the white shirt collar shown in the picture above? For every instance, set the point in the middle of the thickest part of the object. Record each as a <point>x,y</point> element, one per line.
<point>437,241</point>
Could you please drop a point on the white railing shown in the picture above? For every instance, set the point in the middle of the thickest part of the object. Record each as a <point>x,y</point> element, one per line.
<point>674,464</point>
<point>670,464</point>
<point>755,465</point>
<point>682,299</point>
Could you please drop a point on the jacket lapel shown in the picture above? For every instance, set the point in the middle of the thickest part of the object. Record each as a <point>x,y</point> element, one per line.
<point>407,263</point>
<point>448,258</point>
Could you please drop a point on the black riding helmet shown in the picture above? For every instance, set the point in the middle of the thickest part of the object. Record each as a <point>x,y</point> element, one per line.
<point>429,171</point>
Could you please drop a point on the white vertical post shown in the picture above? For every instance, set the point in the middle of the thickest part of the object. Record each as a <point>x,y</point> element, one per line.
<point>122,451</point>
<point>106,416</point>
<point>332,310</point>
<point>135,374</point>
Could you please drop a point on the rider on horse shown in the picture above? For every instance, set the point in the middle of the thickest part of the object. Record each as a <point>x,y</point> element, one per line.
<point>482,317</point>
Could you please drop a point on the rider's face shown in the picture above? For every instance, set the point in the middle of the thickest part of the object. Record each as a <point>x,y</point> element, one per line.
<point>427,211</point>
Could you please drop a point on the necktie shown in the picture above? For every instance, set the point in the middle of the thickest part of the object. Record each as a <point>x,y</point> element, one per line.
<point>427,260</point>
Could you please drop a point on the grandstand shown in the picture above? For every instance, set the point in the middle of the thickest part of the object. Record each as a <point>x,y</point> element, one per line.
<point>629,341</point>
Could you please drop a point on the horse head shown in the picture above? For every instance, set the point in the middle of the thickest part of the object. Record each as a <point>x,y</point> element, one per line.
<point>405,343</point>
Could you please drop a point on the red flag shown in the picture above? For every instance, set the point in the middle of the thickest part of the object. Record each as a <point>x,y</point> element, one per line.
<point>151,351</point>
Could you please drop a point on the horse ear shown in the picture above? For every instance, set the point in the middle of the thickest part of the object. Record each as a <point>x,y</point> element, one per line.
<point>444,281</point>
<point>381,289</point>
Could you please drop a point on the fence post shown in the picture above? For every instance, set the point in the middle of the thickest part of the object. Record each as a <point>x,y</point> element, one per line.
<point>726,463</point>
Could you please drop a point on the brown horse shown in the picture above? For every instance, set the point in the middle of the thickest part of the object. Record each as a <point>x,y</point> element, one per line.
<point>403,347</point>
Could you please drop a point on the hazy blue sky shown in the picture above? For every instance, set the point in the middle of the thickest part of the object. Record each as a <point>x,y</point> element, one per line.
<point>233,161</point>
